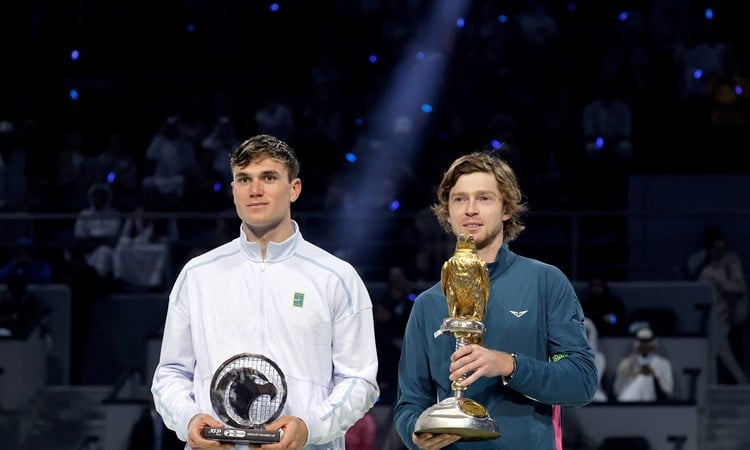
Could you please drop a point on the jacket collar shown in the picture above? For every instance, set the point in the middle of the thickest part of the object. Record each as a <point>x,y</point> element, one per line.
<point>505,258</point>
<point>275,251</point>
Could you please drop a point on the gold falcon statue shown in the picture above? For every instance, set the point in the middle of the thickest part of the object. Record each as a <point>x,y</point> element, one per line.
<point>465,281</point>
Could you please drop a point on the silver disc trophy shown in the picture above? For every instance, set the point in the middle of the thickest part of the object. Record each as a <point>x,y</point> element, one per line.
<point>464,279</point>
<point>247,392</point>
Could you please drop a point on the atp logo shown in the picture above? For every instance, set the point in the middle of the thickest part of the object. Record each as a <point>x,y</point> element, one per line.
<point>519,313</point>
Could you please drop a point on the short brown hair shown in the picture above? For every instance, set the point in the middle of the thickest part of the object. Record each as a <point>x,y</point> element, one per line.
<point>265,146</point>
<point>507,184</point>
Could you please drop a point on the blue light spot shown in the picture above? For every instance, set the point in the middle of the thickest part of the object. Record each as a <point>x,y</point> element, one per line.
<point>274,7</point>
<point>74,55</point>
<point>599,143</point>
<point>412,296</point>
<point>623,16</point>
<point>191,28</point>
<point>571,6</point>
<point>351,157</point>
<point>427,108</point>
<point>111,177</point>
<point>496,144</point>
<point>373,58</point>
<point>217,186</point>
<point>460,22</point>
<point>394,205</point>
<point>738,89</point>
<point>73,94</point>
<point>502,18</point>
<point>420,55</point>
<point>709,13</point>
<point>698,74</point>
<point>359,121</point>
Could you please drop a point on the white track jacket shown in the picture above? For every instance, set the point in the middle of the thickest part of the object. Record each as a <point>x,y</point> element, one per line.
<point>302,307</point>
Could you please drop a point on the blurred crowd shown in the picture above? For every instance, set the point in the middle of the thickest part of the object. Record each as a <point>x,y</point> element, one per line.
<point>577,95</point>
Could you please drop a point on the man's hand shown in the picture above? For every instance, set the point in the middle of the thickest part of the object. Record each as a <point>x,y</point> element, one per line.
<point>479,362</point>
<point>294,435</point>
<point>196,440</point>
<point>429,441</point>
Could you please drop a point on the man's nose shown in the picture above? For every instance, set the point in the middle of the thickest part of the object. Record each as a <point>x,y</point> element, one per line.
<point>471,207</point>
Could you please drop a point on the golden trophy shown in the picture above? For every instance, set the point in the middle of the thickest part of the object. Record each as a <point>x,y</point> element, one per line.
<point>465,282</point>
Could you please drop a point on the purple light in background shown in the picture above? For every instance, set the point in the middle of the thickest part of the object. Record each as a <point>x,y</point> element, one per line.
<point>395,205</point>
<point>373,59</point>
<point>698,74</point>
<point>274,7</point>
<point>599,143</point>
<point>460,22</point>
<point>709,14</point>
<point>496,144</point>
<point>191,28</point>
<point>73,94</point>
<point>217,186</point>
<point>111,177</point>
<point>74,55</point>
<point>351,157</point>
<point>623,16</point>
<point>502,18</point>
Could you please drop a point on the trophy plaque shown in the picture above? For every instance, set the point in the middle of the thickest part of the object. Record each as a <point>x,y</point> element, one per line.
<point>247,392</point>
<point>465,282</point>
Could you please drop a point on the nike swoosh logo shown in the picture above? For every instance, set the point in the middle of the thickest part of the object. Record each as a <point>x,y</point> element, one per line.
<point>519,313</point>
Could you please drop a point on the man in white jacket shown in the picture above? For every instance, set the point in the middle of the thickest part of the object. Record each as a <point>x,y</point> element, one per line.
<point>269,292</point>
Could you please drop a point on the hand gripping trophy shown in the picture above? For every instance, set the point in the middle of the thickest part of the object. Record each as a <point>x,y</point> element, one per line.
<point>465,282</point>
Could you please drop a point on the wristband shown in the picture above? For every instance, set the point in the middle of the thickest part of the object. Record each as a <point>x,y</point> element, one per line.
<point>506,379</point>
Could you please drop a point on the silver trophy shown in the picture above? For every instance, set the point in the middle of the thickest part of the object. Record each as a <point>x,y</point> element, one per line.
<point>465,282</point>
<point>247,392</point>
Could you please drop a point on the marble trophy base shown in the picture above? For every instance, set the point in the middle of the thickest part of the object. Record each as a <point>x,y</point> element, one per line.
<point>459,416</point>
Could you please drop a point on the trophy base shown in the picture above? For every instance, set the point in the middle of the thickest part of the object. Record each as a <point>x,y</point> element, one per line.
<point>459,416</point>
<point>241,436</point>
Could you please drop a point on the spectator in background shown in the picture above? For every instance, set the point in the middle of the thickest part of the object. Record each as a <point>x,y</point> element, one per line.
<point>217,145</point>
<point>141,254</point>
<point>96,230</point>
<point>27,258</point>
<point>644,375</point>
<point>19,311</point>
<point>171,155</point>
<point>605,309</point>
<point>607,126</point>
<point>13,180</point>
<point>72,174</point>
<point>12,169</point>
<point>722,267</point>
<point>399,297</point>
<point>117,166</point>
<point>275,117</point>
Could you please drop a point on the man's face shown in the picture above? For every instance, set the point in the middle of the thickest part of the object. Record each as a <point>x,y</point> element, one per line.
<point>263,195</point>
<point>475,207</point>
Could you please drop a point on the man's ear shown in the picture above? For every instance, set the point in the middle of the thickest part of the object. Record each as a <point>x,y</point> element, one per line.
<point>296,190</point>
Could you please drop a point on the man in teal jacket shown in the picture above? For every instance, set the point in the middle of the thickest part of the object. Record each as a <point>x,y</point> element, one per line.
<point>533,358</point>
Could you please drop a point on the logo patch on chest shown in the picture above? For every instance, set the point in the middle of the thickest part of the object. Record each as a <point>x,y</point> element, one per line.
<point>299,300</point>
